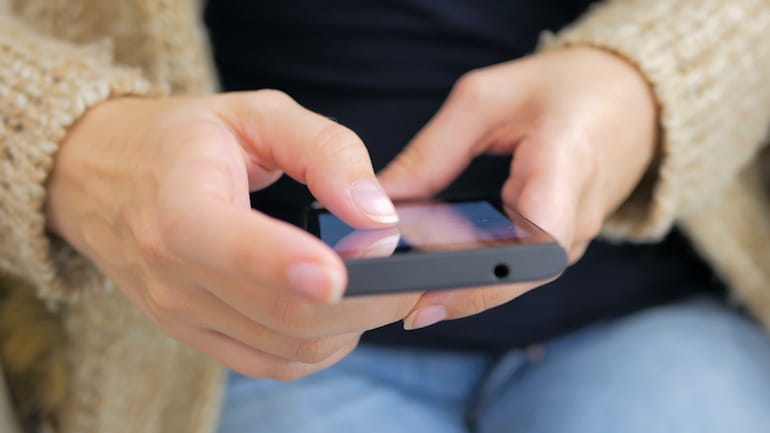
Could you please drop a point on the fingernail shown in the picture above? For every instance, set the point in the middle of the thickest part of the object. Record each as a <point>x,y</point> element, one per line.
<point>383,247</point>
<point>425,317</point>
<point>316,282</point>
<point>371,198</point>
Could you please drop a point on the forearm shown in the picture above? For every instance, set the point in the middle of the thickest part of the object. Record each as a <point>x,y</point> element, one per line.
<point>45,86</point>
<point>707,62</point>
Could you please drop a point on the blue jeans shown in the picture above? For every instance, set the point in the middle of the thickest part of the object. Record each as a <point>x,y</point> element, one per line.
<point>696,366</point>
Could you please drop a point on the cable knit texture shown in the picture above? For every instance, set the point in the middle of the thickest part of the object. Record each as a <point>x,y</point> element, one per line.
<point>707,62</point>
<point>57,59</point>
<point>44,87</point>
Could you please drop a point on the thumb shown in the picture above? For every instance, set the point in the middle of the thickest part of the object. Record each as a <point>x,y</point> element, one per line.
<point>441,150</point>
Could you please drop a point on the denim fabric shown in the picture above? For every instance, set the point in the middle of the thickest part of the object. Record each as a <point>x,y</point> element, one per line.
<point>696,366</point>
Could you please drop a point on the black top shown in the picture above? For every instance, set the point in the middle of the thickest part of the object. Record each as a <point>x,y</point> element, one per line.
<point>383,68</point>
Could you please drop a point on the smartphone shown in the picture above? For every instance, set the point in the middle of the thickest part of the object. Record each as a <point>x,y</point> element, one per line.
<point>440,244</point>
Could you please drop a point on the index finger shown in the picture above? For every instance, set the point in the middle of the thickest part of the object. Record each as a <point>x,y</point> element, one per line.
<point>312,149</point>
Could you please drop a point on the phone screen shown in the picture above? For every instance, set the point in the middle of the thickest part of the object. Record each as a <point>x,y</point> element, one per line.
<point>427,226</point>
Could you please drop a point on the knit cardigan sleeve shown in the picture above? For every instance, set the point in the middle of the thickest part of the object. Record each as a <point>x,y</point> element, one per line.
<point>708,64</point>
<point>45,86</point>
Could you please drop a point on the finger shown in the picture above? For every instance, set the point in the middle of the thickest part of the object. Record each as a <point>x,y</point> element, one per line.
<point>248,361</point>
<point>199,222</point>
<point>262,252</point>
<point>545,187</point>
<point>307,351</point>
<point>200,309</point>
<point>312,149</point>
<point>459,132</point>
<point>438,306</point>
<point>287,316</point>
<point>552,182</point>
<point>577,251</point>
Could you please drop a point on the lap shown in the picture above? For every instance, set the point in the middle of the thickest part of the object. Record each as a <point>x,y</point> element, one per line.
<point>373,390</point>
<point>696,366</point>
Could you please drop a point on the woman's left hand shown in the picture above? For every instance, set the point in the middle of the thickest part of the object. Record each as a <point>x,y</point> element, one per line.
<point>582,125</point>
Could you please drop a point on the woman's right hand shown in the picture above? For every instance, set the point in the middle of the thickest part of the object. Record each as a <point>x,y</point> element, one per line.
<point>156,193</point>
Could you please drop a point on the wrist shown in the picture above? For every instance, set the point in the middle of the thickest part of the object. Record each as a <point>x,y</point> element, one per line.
<point>630,86</point>
<point>630,124</point>
<point>79,182</point>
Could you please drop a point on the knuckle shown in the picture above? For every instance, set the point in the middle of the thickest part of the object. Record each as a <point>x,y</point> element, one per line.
<point>165,304</point>
<point>314,350</point>
<point>401,306</point>
<point>485,298</point>
<point>276,97</point>
<point>473,88</point>
<point>479,302</point>
<point>291,318</point>
<point>412,161</point>
<point>339,142</point>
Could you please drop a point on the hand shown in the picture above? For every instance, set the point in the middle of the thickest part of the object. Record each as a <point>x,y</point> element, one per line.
<point>156,193</point>
<point>581,124</point>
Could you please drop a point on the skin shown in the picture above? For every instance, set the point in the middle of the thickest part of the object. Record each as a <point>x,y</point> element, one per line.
<point>159,201</point>
<point>155,192</point>
<point>582,125</point>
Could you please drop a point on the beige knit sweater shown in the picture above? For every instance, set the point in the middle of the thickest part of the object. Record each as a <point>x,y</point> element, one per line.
<point>708,62</point>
